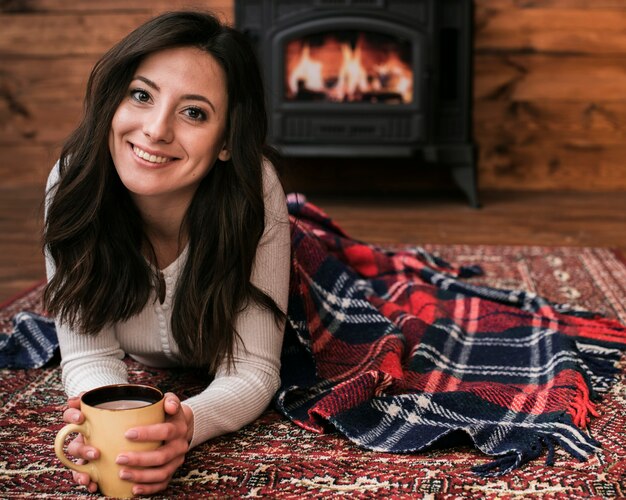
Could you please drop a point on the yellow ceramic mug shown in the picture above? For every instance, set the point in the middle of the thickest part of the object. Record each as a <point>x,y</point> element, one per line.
<point>109,412</point>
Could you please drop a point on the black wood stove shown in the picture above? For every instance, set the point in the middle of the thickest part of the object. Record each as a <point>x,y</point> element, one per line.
<point>368,78</point>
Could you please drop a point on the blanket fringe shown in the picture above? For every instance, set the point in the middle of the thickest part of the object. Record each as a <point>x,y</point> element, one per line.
<point>581,406</point>
<point>580,446</point>
<point>600,369</point>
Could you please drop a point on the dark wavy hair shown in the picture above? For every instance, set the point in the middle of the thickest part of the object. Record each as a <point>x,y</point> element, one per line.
<point>94,233</point>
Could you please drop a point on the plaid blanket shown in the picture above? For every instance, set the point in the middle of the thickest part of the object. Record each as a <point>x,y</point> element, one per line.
<point>395,351</point>
<point>32,343</point>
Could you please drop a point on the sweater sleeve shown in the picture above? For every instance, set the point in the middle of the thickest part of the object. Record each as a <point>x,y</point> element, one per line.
<point>90,361</point>
<point>236,397</point>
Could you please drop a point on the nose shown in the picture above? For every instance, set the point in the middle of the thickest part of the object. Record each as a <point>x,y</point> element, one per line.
<point>158,126</point>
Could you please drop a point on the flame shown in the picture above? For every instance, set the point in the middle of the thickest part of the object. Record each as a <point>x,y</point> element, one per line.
<point>307,72</point>
<point>340,72</point>
<point>352,75</point>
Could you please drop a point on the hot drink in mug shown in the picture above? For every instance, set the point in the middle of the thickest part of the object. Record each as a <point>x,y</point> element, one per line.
<point>122,404</point>
<point>109,412</point>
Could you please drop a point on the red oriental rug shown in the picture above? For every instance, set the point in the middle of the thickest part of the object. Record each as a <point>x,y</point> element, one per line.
<point>273,458</point>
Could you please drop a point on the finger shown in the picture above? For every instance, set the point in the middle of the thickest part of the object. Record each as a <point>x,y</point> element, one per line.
<point>152,474</point>
<point>74,402</point>
<point>77,448</point>
<point>149,489</point>
<point>81,477</point>
<point>163,455</point>
<point>172,403</point>
<point>84,479</point>
<point>155,432</point>
<point>73,416</point>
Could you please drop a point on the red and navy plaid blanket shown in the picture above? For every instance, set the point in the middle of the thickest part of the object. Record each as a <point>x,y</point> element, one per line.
<point>396,351</point>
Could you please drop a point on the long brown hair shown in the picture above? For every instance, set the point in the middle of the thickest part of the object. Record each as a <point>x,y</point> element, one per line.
<point>94,233</point>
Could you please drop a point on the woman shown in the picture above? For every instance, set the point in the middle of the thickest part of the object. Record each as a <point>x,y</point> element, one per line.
<point>167,236</point>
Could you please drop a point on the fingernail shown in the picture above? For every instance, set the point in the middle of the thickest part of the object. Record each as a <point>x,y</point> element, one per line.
<point>84,481</point>
<point>172,402</point>
<point>124,474</point>
<point>91,455</point>
<point>122,459</point>
<point>137,491</point>
<point>131,434</point>
<point>75,417</point>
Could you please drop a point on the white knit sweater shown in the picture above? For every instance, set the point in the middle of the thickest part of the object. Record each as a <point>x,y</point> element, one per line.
<point>234,398</point>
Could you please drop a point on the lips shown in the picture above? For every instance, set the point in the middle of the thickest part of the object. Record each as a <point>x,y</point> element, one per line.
<point>149,157</point>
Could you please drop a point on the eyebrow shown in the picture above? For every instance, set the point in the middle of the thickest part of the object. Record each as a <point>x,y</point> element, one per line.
<point>192,97</point>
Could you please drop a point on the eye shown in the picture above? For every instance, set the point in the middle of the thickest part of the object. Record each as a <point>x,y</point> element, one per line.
<point>195,114</point>
<point>140,95</point>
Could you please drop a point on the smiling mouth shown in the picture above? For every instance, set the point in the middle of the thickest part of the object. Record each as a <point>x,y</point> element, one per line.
<point>144,155</point>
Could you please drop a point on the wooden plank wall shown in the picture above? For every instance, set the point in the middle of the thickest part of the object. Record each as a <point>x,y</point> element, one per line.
<point>550,85</point>
<point>550,93</point>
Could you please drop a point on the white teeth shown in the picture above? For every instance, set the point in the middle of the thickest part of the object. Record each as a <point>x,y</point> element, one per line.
<point>148,157</point>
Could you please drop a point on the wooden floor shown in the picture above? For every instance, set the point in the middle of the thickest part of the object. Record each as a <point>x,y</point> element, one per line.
<point>515,218</point>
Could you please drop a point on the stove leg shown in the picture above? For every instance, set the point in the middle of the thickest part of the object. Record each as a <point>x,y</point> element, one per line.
<point>464,175</point>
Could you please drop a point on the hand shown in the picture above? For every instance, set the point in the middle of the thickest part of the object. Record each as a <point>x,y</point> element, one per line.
<point>77,447</point>
<point>153,470</point>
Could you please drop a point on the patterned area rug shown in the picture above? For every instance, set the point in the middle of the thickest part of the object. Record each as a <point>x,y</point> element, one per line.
<point>273,458</point>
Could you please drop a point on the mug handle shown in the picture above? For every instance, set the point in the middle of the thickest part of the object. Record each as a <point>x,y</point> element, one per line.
<point>59,443</point>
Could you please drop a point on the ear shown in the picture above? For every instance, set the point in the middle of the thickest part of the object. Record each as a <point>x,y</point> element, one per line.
<point>224,154</point>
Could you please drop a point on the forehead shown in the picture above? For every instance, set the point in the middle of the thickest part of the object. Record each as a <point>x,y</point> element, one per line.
<point>185,70</point>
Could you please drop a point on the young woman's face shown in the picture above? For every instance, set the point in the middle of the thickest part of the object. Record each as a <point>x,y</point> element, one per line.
<point>170,128</point>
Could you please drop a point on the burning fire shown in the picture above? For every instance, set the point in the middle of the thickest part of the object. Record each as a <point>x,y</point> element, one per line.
<point>308,71</point>
<point>343,72</point>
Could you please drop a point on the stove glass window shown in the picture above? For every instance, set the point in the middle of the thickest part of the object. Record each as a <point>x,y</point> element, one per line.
<point>349,66</point>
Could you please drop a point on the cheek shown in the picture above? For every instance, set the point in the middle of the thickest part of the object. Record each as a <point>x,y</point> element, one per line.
<point>111,139</point>
<point>115,143</point>
<point>122,120</point>
<point>120,127</point>
<point>113,131</point>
